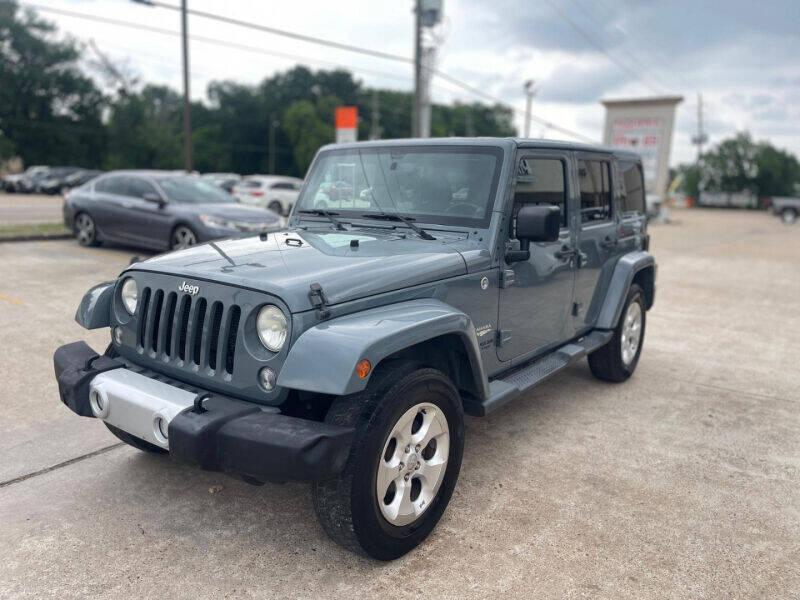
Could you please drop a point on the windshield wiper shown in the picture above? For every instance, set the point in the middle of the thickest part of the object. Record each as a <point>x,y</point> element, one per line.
<point>325,213</point>
<point>403,219</point>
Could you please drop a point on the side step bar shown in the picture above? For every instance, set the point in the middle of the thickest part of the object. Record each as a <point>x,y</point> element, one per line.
<point>521,379</point>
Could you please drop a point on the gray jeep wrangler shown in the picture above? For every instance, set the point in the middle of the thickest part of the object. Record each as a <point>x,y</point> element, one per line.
<point>416,281</point>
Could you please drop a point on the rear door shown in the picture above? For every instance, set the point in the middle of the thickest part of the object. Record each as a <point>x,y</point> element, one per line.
<point>534,308</point>
<point>598,235</point>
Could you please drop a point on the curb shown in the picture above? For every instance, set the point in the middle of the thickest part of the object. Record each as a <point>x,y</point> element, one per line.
<point>36,237</point>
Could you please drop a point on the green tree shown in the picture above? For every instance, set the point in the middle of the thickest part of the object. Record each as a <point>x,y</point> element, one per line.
<point>306,131</point>
<point>49,110</point>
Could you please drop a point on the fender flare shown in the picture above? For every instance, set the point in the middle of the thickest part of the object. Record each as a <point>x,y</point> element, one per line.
<point>624,272</point>
<point>94,310</point>
<point>324,357</point>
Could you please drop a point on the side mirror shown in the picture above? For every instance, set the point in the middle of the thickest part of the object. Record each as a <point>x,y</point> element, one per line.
<point>154,198</point>
<point>535,224</point>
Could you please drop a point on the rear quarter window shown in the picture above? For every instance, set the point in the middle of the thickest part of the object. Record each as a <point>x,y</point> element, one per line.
<point>633,199</point>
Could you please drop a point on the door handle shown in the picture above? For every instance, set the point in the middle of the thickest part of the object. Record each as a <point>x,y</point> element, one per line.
<point>608,242</point>
<point>565,252</point>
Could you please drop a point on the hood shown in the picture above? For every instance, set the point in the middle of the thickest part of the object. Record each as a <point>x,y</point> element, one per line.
<point>288,262</point>
<point>231,210</point>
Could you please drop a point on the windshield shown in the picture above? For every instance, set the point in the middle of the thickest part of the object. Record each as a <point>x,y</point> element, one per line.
<point>451,185</point>
<point>193,190</point>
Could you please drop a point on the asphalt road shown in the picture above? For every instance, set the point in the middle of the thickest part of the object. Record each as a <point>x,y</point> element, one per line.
<point>683,482</point>
<point>18,209</point>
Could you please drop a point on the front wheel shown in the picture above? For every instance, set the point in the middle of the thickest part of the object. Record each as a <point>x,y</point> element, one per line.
<point>617,360</point>
<point>789,216</point>
<point>182,237</point>
<point>403,464</point>
<point>276,207</point>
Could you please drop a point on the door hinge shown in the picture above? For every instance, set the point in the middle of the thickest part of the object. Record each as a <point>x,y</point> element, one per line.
<point>503,337</point>
<point>507,277</point>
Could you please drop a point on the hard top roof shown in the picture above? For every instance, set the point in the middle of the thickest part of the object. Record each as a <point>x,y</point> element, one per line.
<point>507,142</point>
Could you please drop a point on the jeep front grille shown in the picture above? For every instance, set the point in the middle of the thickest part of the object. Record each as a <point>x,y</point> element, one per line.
<point>191,331</point>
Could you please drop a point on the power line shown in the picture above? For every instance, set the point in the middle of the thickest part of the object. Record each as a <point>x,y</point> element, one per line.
<point>444,76</point>
<point>596,44</point>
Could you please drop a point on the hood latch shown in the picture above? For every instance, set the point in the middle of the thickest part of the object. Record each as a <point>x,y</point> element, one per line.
<point>318,301</point>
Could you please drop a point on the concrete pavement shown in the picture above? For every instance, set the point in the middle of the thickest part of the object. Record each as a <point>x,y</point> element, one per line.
<point>682,482</point>
<point>18,209</point>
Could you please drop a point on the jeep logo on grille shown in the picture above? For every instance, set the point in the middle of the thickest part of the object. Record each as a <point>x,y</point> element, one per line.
<point>188,288</point>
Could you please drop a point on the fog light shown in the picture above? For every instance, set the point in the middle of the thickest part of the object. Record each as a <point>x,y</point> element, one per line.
<point>267,379</point>
<point>118,335</point>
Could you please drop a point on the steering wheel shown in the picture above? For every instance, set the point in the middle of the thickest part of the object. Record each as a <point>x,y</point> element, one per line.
<point>463,208</point>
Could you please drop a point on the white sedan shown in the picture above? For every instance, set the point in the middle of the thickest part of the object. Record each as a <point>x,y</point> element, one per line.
<point>269,191</point>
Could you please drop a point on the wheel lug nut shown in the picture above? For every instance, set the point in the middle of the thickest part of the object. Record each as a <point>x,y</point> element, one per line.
<point>416,448</point>
<point>408,449</point>
<point>407,476</point>
<point>401,466</point>
<point>416,467</point>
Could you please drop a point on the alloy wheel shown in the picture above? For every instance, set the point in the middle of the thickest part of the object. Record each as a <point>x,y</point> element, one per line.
<point>84,229</point>
<point>182,237</point>
<point>631,332</point>
<point>413,464</point>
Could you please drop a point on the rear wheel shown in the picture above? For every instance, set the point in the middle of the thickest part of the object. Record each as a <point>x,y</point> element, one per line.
<point>182,237</point>
<point>403,464</point>
<point>85,229</point>
<point>617,360</point>
<point>789,216</point>
<point>276,207</point>
<point>134,441</point>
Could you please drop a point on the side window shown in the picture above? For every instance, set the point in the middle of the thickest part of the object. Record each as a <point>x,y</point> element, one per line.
<point>633,180</point>
<point>137,188</point>
<point>282,185</point>
<point>595,180</point>
<point>541,181</point>
<point>111,185</point>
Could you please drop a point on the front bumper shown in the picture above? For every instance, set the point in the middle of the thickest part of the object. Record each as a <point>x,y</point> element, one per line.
<point>216,434</point>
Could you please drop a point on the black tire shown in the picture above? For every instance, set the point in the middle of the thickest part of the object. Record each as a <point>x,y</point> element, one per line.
<point>347,506</point>
<point>607,362</point>
<point>276,207</point>
<point>134,441</point>
<point>85,229</point>
<point>789,216</point>
<point>182,237</point>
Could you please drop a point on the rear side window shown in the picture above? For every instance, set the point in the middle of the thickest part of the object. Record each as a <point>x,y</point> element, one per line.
<point>633,181</point>
<point>251,183</point>
<point>283,185</point>
<point>137,188</point>
<point>595,180</point>
<point>111,185</point>
<point>541,181</point>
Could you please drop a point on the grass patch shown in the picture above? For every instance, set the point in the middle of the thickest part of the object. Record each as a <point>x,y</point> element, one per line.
<point>33,230</point>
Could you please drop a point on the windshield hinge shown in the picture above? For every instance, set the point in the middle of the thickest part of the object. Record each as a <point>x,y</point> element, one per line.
<point>318,301</point>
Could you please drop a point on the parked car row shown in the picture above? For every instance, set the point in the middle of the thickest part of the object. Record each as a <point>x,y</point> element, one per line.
<point>47,180</point>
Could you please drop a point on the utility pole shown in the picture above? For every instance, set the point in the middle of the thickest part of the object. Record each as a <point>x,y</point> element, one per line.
<point>273,124</point>
<point>187,119</point>
<point>427,14</point>
<point>375,128</point>
<point>416,113</point>
<point>529,94</point>
<point>701,137</point>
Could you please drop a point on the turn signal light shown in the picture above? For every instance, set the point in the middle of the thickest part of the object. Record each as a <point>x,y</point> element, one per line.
<point>363,368</point>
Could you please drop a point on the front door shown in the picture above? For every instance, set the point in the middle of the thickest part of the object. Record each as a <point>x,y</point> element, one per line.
<point>535,306</point>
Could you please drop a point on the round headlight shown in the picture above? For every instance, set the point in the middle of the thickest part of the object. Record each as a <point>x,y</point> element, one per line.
<point>130,295</point>
<point>272,328</point>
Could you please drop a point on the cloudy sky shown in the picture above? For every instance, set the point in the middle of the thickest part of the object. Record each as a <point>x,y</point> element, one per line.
<point>742,55</point>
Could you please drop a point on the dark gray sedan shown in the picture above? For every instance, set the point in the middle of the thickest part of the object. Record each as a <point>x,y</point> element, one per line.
<point>158,210</point>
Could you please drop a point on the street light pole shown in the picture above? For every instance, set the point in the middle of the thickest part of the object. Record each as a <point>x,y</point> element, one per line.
<point>416,115</point>
<point>529,93</point>
<point>187,119</point>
